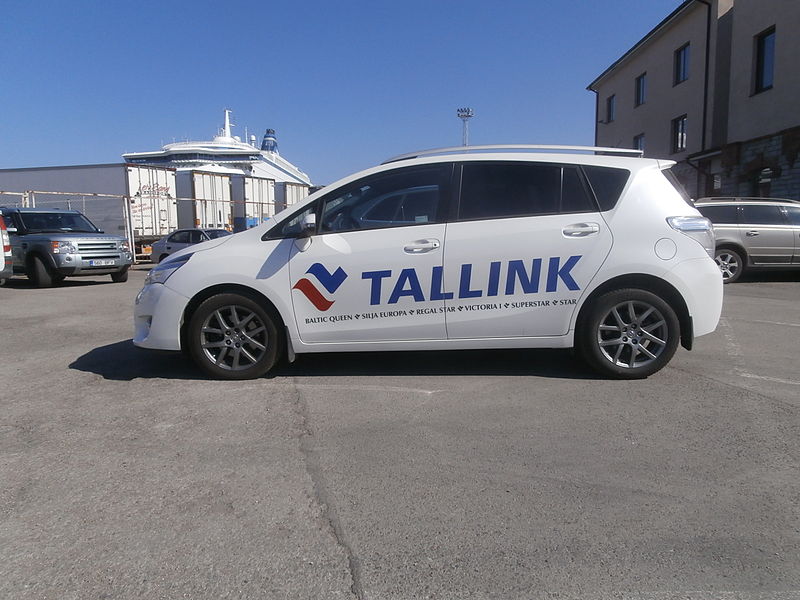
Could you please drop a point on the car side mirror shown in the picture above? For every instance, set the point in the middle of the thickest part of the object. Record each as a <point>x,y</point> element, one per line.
<point>309,226</point>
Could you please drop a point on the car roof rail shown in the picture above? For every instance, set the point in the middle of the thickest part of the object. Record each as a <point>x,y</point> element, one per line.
<point>518,147</point>
<point>744,199</point>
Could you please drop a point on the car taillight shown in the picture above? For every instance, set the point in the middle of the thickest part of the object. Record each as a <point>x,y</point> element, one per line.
<point>4,236</point>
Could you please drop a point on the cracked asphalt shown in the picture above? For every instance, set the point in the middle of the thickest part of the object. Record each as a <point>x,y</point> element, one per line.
<point>126,474</point>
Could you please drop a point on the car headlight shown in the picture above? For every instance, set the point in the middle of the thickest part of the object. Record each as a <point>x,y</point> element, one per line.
<point>697,228</point>
<point>161,272</point>
<point>64,248</point>
<point>124,246</point>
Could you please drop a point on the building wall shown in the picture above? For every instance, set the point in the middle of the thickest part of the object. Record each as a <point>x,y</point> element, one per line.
<point>752,115</point>
<point>752,140</point>
<point>665,101</point>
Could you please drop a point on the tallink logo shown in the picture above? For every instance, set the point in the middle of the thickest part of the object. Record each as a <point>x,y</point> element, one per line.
<point>504,278</point>
<point>330,281</point>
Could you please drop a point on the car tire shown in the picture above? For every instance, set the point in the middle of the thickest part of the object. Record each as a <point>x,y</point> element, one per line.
<point>38,273</point>
<point>120,276</point>
<point>231,336</point>
<point>628,334</point>
<point>730,263</point>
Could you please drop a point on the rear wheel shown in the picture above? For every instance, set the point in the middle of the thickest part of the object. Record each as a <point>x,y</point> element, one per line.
<point>232,336</point>
<point>730,263</point>
<point>38,273</point>
<point>629,334</point>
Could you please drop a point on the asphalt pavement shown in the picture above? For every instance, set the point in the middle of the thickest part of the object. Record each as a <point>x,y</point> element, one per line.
<point>505,474</point>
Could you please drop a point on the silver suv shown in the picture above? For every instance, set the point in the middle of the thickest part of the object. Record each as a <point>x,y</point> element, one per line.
<point>753,233</point>
<point>50,244</point>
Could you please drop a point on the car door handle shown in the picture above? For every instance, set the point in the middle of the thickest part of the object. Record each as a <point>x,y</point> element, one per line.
<point>580,229</point>
<point>752,233</point>
<point>421,246</point>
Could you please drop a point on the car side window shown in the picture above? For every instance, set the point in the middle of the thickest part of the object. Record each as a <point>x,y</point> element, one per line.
<point>494,190</point>
<point>755,214</point>
<point>793,212</point>
<point>607,184</point>
<point>195,237</point>
<point>179,237</point>
<point>719,215</point>
<point>411,196</point>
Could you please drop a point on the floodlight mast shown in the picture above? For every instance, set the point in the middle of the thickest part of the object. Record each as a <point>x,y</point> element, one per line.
<point>465,114</point>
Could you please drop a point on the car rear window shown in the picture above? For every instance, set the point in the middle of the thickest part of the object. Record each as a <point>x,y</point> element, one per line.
<point>719,215</point>
<point>496,190</point>
<point>607,184</point>
<point>769,214</point>
<point>794,214</point>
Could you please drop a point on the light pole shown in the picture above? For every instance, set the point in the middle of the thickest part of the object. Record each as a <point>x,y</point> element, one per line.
<point>465,114</point>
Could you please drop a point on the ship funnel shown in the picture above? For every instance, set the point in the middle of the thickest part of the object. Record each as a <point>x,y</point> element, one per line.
<point>270,142</point>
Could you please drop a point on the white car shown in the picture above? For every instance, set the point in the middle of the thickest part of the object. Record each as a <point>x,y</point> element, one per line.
<point>182,238</point>
<point>460,248</point>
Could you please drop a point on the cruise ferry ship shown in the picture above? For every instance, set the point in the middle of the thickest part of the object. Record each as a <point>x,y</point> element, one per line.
<point>226,153</point>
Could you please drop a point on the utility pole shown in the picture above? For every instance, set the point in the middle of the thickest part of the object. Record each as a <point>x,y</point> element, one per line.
<point>465,114</point>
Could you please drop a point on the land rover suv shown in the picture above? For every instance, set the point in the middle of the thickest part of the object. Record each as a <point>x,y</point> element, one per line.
<point>464,248</point>
<point>50,244</point>
<point>753,233</point>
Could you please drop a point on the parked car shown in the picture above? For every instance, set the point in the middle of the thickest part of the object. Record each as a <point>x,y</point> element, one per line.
<point>50,244</point>
<point>480,247</point>
<point>6,270</point>
<point>753,233</point>
<point>183,238</point>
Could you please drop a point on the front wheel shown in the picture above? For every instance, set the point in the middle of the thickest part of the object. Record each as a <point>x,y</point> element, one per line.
<point>629,334</point>
<point>120,276</point>
<point>231,336</point>
<point>39,274</point>
<point>730,263</point>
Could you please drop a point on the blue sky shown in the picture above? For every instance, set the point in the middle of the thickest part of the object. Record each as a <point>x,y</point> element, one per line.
<point>346,84</point>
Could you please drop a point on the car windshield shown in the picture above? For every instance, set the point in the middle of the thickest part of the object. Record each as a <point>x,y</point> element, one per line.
<point>56,222</point>
<point>215,233</point>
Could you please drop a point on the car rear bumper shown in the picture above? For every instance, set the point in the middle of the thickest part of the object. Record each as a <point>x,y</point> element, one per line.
<point>700,283</point>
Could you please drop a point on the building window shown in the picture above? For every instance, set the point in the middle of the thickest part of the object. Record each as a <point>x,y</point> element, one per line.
<point>765,60</point>
<point>638,142</point>
<point>611,108</point>
<point>681,64</point>
<point>679,134</point>
<point>641,90</point>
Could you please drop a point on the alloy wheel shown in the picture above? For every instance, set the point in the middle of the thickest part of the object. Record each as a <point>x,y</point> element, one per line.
<point>234,338</point>
<point>632,334</point>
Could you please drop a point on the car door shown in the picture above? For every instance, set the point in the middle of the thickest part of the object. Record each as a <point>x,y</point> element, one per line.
<point>371,270</point>
<point>178,241</point>
<point>793,216</point>
<point>768,238</point>
<point>527,240</point>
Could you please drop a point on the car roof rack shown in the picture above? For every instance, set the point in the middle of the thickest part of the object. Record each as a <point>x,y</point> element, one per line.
<point>743,199</point>
<point>523,147</point>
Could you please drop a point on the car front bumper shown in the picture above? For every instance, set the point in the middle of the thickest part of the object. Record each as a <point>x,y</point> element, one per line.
<point>157,317</point>
<point>81,264</point>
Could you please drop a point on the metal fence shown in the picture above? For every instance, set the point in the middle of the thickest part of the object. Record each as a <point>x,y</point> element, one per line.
<point>142,220</point>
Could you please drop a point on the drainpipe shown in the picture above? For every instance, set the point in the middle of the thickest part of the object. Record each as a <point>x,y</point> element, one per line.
<point>705,83</point>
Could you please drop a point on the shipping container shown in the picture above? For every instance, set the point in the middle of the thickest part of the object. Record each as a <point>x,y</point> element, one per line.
<point>153,204</point>
<point>204,200</point>
<point>287,194</point>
